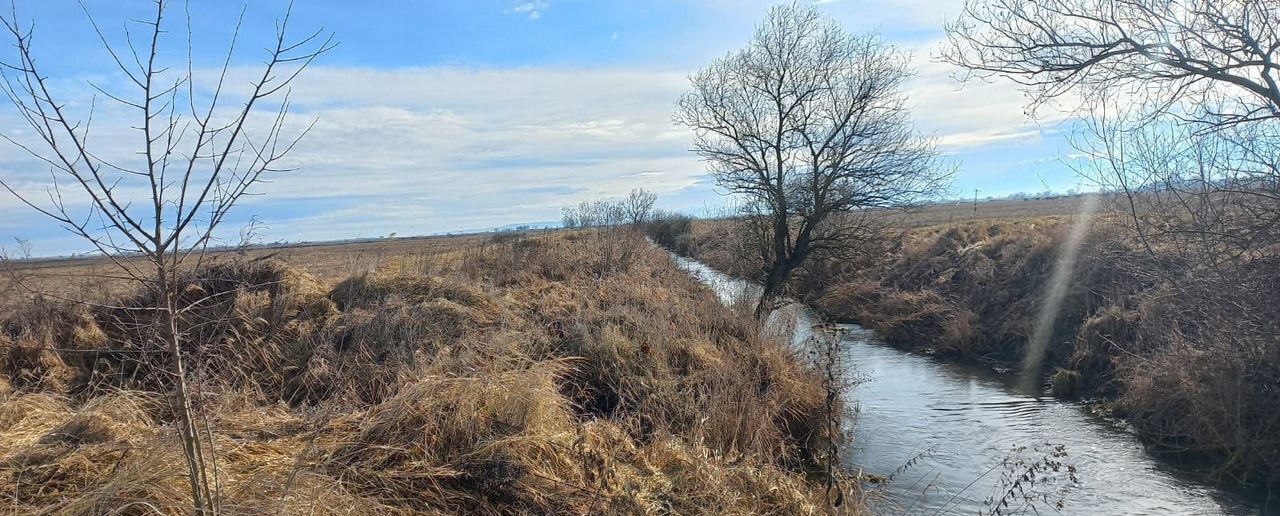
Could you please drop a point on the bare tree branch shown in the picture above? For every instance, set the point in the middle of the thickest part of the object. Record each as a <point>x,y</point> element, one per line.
<point>140,211</point>
<point>807,124</point>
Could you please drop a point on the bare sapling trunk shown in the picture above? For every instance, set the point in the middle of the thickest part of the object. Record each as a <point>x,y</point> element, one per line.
<point>155,215</point>
<point>198,471</point>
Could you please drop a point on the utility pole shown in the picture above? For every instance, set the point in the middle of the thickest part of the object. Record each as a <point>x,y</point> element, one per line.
<point>975,200</point>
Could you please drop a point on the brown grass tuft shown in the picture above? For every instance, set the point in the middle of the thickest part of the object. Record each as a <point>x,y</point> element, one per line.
<point>495,377</point>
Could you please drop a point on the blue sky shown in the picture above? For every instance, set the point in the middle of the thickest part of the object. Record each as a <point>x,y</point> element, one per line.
<point>437,116</point>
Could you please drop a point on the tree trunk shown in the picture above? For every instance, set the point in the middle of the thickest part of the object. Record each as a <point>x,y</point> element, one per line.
<point>201,493</point>
<point>772,289</point>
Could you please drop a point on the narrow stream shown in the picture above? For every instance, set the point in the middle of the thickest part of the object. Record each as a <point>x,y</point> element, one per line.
<point>956,424</point>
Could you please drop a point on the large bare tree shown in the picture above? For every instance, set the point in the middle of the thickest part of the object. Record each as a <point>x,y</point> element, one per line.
<point>198,153</point>
<point>808,126</point>
<point>1214,60</point>
<point>1181,102</point>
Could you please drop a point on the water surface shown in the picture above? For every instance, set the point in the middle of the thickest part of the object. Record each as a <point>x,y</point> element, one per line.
<point>959,427</point>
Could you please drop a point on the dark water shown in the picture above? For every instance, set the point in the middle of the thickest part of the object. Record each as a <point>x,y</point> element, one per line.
<point>962,424</point>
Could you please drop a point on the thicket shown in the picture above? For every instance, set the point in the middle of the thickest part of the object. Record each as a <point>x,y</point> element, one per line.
<point>672,231</point>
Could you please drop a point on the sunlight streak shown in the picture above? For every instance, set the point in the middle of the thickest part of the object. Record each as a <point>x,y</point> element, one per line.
<point>1057,291</point>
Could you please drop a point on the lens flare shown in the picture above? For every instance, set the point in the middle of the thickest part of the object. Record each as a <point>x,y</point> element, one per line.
<point>1059,281</point>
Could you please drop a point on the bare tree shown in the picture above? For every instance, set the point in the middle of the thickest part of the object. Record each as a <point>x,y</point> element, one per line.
<point>198,155</point>
<point>569,217</point>
<point>1197,200</point>
<point>806,123</point>
<point>1181,101</point>
<point>638,205</point>
<point>1211,60</point>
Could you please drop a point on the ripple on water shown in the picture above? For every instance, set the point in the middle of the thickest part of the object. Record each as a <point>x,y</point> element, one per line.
<point>960,422</point>
<point>970,423</point>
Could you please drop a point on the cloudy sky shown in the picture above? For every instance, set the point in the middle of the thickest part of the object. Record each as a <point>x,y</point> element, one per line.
<point>435,116</point>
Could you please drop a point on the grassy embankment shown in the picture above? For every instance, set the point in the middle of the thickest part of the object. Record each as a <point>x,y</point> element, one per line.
<point>1191,357</point>
<point>534,375</point>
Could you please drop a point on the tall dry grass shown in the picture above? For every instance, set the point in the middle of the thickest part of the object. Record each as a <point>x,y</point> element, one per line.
<point>547,374</point>
<point>1186,352</point>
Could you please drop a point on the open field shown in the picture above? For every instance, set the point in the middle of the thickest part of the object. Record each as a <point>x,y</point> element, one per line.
<point>73,277</point>
<point>69,277</point>
<point>1009,210</point>
<point>533,374</point>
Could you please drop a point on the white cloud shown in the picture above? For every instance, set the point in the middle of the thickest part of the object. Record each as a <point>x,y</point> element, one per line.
<point>488,147</point>
<point>971,114</point>
<point>438,149</point>
<point>532,9</point>
<point>420,150</point>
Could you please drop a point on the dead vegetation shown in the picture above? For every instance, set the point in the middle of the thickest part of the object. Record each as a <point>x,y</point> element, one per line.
<point>495,378</point>
<point>1185,352</point>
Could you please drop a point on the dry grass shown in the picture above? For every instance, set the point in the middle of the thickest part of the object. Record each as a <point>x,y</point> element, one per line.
<point>970,288</point>
<point>1202,368</point>
<point>1186,352</point>
<point>490,377</point>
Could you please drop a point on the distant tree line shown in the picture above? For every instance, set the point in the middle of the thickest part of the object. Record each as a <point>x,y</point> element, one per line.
<point>634,210</point>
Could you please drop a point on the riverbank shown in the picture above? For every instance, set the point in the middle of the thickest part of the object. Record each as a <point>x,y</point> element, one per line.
<point>968,432</point>
<point>1192,363</point>
<point>557,373</point>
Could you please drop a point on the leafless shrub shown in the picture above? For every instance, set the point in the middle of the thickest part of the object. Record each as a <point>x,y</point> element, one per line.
<point>1031,477</point>
<point>828,356</point>
<point>672,231</point>
<point>619,223</point>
